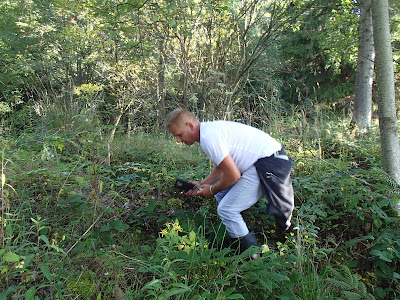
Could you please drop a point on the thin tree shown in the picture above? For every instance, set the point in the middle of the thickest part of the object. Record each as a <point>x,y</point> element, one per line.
<point>386,90</point>
<point>365,67</point>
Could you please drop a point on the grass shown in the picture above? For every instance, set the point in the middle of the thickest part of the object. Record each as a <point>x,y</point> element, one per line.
<point>76,227</point>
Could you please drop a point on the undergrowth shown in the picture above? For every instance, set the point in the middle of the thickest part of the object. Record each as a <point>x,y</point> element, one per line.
<point>75,225</point>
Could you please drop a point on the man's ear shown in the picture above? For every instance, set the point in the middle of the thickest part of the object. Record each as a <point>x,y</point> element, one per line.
<point>190,125</point>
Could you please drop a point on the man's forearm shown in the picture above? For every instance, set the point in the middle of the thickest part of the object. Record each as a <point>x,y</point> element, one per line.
<point>220,180</point>
<point>223,176</point>
<point>215,175</point>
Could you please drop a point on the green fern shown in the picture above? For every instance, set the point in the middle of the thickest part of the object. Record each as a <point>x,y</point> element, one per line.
<point>347,284</point>
<point>352,295</point>
<point>386,178</point>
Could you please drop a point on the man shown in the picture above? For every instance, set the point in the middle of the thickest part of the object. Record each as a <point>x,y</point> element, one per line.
<point>248,164</point>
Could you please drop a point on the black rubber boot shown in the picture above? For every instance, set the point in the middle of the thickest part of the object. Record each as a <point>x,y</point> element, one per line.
<point>247,241</point>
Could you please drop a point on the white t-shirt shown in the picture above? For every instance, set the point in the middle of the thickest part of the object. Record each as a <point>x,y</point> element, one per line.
<point>244,143</point>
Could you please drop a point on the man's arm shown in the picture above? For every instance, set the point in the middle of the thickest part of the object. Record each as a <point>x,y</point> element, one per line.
<point>228,174</point>
<point>214,176</point>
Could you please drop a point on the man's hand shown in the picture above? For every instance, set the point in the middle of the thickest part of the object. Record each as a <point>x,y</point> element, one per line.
<point>226,173</point>
<point>204,191</point>
<point>195,190</point>
<point>200,190</point>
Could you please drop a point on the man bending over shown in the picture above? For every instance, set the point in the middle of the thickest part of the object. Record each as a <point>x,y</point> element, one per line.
<point>248,164</point>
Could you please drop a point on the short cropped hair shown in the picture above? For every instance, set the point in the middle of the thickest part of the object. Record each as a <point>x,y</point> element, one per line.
<point>176,116</point>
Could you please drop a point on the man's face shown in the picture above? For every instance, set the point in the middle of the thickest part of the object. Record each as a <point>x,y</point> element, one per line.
<point>184,133</point>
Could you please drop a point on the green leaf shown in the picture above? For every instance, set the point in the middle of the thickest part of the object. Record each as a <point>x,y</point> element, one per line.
<point>105,228</point>
<point>30,294</point>
<point>377,222</point>
<point>278,277</point>
<point>43,230</point>
<point>45,270</point>
<point>70,200</point>
<point>228,291</point>
<point>381,255</point>
<point>384,202</point>
<point>380,212</point>
<point>154,284</point>
<point>228,294</point>
<point>179,288</point>
<point>44,239</point>
<point>235,296</point>
<point>172,23</point>
<point>108,239</point>
<point>380,292</point>
<point>10,257</point>
<point>118,225</point>
<point>353,202</point>
<point>222,282</point>
<point>192,236</point>
<point>294,277</point>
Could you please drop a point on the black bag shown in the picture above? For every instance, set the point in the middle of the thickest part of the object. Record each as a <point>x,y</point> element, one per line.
<point>274,173</point>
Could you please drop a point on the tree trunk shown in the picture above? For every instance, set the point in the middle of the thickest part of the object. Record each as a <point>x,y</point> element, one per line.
<point>130,120</point>
<point>122,110</point>
<point>386,90</point>
<point>161,79</point>
<point>365,67</point>
<point>112,135</point>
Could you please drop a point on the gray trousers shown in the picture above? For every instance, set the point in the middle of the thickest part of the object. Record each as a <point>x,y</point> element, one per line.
<point>269,176</point>
<point>239,197</point>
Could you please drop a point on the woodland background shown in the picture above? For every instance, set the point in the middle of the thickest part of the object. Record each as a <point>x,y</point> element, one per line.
<point>88,208</point>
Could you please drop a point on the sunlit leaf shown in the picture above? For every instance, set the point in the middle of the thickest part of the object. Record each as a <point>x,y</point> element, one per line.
<point>10,257</point>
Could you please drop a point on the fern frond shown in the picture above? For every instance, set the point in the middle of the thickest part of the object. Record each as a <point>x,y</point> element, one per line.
<point>341,284</point>
<point>348,284</point>
<point>351,295</point>
<point>344,275</point>
<point>386,178</point>
<point>362,288</point>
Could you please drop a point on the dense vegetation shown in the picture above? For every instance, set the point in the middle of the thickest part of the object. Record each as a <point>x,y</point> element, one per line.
<point>75,226</point>
<point>88,208</point>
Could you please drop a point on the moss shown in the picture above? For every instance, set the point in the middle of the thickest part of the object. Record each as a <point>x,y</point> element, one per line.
<point>82,287</point>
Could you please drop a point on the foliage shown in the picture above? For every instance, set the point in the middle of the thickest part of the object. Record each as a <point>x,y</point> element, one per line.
<point>87,205</point>
<point>79,227</point>
<point>233,58</point>
<point>349,285</point>
<point>320,53</point>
